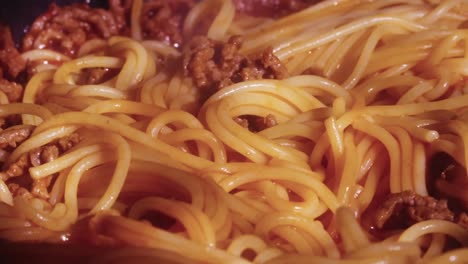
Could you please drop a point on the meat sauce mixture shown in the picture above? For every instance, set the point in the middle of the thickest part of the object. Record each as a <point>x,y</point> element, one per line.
<point>211,65</point>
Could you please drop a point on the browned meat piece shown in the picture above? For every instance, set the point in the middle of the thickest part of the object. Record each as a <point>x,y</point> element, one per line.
<point>405,208</point>
<point>268,121</point>
<point>264,66</point>
<point>121,11</point>
<point>243,122</point>
<point>95,75</point>
<point>49,153</point>
<point>64,29</point>
<point>213,65</point>
<point>273,67</point>
<point>39,187</point>
<point>161,19</point>
<point>13,136</point>
<point>13,90</point>
<point>36,157</point>
<point>463,220</point>
<point>271,8</point>
<point>17,190</point>
<point>68,142</point>
<point>19,167</point>
<point>43,155</point>
<point>256,123</point>
<point>11,62</point>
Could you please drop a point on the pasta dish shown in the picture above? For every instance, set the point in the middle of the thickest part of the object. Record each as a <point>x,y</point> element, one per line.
<point>236,131</point>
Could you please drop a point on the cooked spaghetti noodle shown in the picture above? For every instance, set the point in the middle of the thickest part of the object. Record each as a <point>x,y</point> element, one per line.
<point>375,91</point>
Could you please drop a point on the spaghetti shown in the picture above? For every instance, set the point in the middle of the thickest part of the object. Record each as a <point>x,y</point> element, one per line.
<point>227,168</point>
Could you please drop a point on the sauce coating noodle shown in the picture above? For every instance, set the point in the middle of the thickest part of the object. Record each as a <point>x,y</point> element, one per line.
<point>145,158</point>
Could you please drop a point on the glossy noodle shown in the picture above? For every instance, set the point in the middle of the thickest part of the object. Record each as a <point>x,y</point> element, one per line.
<point>375,91</point>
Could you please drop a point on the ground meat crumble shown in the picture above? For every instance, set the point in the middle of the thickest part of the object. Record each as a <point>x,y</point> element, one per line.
<point>12,90</point>
<point>160,20</point>
<point>18,170</point>
<point>10,59</point>
<point>401,210</point>
<point>213,65</point>
<point>462,220</point>
<point>408,207</point>
<point>256,123</point>
<point>446,182</point>
<point>13,136</point>
<point>11,65</point>
<point>96,75</point>
<point>163,20</point>
<point>65,29</point>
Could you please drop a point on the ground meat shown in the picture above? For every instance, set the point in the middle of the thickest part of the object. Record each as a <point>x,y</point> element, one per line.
<point>403,209</point>
<point>68,142</point>
<point>161,19</point>
<point>272,66</point>
<point>43,154</point>
<point>17,190</point>
<point>121,11</point>
<point>13,136</point>
<point>271,8</point>
<point>213,65</point>
<point>65,29</point>
<point>12,90</point>
<point>19,169</point>
<point>256,123</point>
<point>95,75</point>
<point>40,187</point>
<point>242,121</point>
<point>269,121</point>
<point>11,62</point>
<point>462,220</point>
<point>49,153</point>
<point>35,157</point>
<point>11,65</point>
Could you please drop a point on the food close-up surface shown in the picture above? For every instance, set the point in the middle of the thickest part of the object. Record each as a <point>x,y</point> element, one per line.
<point>234,131</point>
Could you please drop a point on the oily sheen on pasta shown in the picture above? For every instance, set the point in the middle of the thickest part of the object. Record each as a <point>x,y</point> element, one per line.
<point>375,91</point>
